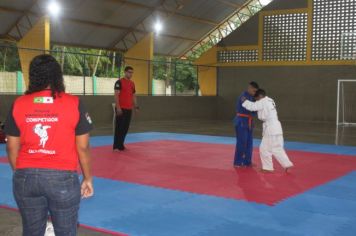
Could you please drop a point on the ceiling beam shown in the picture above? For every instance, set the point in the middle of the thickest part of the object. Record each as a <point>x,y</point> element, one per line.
<point>22,14</point>
<point>141,21</point>
<point>174,48</point>
<point>92,23</point>
<point>160,5</point>
<point>124,28</point>
<point>230,4</point>
<point>217,27</point>
<point>8,38</point>
<point>166,11</point>
<point>12,10</point>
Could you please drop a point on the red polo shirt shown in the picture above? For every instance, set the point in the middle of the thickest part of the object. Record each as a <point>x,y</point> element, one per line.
<point>127,91</point>
<point>47,128</point>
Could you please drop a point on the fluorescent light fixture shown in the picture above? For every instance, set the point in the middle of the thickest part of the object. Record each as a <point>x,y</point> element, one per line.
<point>158,26</point>
<point>265,2</point>
<point>53,8</point>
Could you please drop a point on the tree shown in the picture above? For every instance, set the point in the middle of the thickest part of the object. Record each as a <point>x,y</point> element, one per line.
<point>185,76</point>
<point>78,61</point>
<point>70,59</point>
<point>181,74</point>
<point>9,59</point>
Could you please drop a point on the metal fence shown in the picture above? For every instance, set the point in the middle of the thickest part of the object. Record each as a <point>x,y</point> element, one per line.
<point>94,72</point>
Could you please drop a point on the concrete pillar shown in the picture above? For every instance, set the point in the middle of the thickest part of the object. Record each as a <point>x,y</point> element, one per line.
<point>95,85</point>
<point>37,39</point>
<point>207,72</point>
<point>19,84</point>
<point>139,57</point>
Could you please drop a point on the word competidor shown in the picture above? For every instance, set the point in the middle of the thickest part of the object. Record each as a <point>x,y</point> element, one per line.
<point>43,120</point>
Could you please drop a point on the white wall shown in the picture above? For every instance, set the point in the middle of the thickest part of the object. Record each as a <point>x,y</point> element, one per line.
<point>73,84</point>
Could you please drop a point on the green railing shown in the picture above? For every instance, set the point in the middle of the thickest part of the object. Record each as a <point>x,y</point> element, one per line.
<point>94,72</point>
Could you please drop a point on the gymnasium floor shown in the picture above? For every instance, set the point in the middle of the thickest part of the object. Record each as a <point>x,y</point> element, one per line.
<point>183,184</point>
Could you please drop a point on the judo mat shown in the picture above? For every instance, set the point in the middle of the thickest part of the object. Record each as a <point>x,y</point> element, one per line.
<point>179,184</point>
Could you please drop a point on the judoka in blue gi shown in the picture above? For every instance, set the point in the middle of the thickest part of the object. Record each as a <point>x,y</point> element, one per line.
<point>243,122</point>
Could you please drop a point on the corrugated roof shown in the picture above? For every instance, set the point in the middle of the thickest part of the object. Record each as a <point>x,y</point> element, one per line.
<point>119,24</point>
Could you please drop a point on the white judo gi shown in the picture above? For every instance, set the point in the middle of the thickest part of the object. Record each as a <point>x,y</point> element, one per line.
<point>272,136</point>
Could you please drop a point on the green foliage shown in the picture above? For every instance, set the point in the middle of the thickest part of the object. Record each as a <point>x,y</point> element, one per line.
<point>162,69</point>
<point>9,59</point>
<point>78,61</point>
<point>180,74</point>
<point>185,76</point>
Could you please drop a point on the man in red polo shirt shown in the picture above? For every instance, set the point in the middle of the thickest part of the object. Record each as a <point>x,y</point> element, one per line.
<point>125,102</point>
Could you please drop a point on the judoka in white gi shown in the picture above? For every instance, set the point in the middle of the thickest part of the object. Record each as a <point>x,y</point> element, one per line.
<point>272,136</point>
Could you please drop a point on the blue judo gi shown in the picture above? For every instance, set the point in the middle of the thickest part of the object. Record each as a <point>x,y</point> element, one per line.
<point>243,122</point>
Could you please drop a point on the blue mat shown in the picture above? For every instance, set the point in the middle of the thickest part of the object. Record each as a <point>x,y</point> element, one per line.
<point>144,210</point>
<point>2,150</point>
<point>149,211</point>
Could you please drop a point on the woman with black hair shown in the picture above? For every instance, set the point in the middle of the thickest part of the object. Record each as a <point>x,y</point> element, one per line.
<point>47,132</point>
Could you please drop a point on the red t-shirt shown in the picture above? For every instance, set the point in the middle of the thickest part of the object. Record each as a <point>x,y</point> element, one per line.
<point>127,91</point>
<point>47,129</point>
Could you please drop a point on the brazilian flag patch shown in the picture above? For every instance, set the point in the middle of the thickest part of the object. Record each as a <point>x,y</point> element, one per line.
<point>46,100</point>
